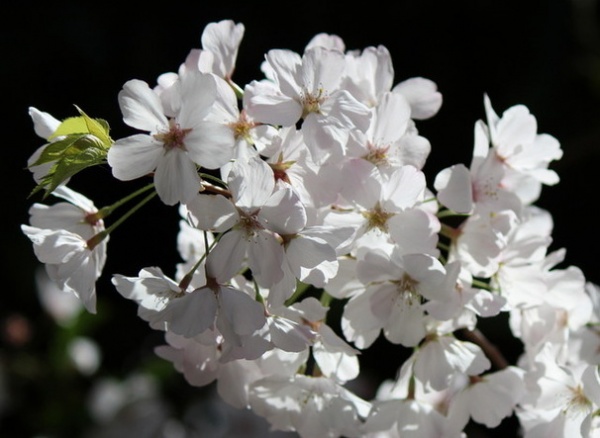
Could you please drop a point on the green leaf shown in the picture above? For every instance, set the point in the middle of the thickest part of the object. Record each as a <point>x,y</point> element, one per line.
<point>68,166</point>
<point>84,125</point>
<point>79,143</point>
<point>98,128</point>
<point>72,125</point>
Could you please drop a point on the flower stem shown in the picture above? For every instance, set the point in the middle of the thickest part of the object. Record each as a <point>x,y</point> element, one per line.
<point>300,289</point>
<point>105,211</point>
<point>187,279</point>
<point>490,350</point>
<point>95,240</point>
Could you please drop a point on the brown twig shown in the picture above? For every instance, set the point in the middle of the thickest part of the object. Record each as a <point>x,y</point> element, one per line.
<point>490,350</point>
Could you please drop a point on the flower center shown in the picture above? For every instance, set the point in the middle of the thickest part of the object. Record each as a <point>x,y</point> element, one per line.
<point>311,102</point>
<point>249,223</point>
<point>578,403</point>
<point>280,169</point>
<point>241,128</point>
<point>173,138</point>
<point>407,289</point>
<point>377,155</point>
<point>377,218</point>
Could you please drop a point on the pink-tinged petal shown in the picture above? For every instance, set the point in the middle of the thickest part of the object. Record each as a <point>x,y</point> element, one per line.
<point>198,363</point>
<point>198,91</point>
<point>312,260</point>
<point>330,42</point>
<point>267,105</point>
<point>192,313</point>
<point>223,39</point>
<point>406,323</point>
<point>212,213</point>
<point>362,183</point>
<point>176,178</point>
<point>265,258</point>
<point>422,94</point>
<point>404,188</point>
<point>141,107</point>
<point>414,231</point>
<point>391,118</point>
<point>347,111</point>
<point>135,156</point>
<point>413,150</point>
<point>251,183</point>
<point>210,144</point>
<point>243,314</point>
<point>381,302</point>
<point>376,266</point>
<point>285,65</point>
<point>454,188</point>
<point>516,127</point>
<point>249,347</point>
<point>321,70</point>
<point>283,212</point>
<point>226,258</point>
<point>289,335</point>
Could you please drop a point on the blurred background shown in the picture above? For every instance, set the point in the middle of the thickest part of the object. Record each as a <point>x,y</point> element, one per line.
<point>66,373</point>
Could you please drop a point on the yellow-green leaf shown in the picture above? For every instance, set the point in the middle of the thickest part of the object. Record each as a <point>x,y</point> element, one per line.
<point>72,125</point>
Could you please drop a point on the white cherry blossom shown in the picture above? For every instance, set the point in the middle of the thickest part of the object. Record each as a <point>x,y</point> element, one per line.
<point>173,147</point>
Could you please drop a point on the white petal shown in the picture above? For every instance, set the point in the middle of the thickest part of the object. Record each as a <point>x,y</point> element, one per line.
<point>176,178</point>
<point>454,188</point>
<point>392,115</point>
<point>226,258</point>
<point>210,144</point>
<point>198,93</point>
<point>251,183</point>
<point>289,335</point>
<point>135,156</point>
<point>312,260</point>
<point>265,258</point>
<point>265,105</point>
<point>44,124</point>
<point>285,65</point>
<point>192,313</point>
<point>336,365</point>
<point>212,212</point>
<point>283,212</point>
<point>141,107</point>
<point>241,312</point>
<point>425,101</point>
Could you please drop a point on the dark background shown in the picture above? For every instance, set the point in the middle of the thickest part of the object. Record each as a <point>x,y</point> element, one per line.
<point>543,54</point>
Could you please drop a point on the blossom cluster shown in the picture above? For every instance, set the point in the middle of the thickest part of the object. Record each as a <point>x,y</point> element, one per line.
<point>305,187</point>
